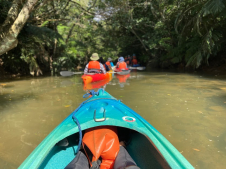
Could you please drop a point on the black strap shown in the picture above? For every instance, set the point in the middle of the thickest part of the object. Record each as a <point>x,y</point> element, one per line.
<point>96,164</point>
<point>94,70</point>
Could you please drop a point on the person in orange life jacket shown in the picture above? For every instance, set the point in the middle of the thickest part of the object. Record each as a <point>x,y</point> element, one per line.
<point>128,61</point>
<point>121,64</point>
<point>134,61</point>
<point>108,64</point>
<point>101,60</point>
<point>94,66</point>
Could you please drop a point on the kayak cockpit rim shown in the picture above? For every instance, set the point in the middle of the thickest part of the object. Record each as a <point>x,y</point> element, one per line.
<point>140,147</point>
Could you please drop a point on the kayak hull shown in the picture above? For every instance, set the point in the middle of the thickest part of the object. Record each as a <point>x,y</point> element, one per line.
<point>96,85</point>
<point>96,77</point>
<point>122,72</point>
<point>137,68</point>
<point>147,142</point>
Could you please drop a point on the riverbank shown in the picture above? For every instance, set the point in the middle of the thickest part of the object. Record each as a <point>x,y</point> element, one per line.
<point>214,68</point>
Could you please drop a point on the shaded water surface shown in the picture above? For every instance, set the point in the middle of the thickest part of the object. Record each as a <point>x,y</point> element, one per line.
<point>189,110</point>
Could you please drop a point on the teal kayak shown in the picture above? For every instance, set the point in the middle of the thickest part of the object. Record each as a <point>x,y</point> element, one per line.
<point>147,147</point>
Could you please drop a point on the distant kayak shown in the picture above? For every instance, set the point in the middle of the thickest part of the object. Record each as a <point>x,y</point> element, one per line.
<point>137,68</point>
<point>147,147</point>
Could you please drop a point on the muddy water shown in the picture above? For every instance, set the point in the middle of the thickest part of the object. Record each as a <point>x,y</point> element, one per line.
<point>188,109</point>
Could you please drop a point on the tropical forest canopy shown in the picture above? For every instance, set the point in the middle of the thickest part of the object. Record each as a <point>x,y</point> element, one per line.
<point>38,36</point>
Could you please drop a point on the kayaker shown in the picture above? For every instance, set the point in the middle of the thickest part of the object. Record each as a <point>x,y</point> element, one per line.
<point>94,66</point>
<point>121,65</point>
<point>129,61</point>
<point>108,64</point>
<point>126,58</point>
<point>134,61</point>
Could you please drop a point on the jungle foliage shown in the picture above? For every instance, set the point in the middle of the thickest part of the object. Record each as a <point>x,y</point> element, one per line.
<point>186,32</point>
<point>64,33</point>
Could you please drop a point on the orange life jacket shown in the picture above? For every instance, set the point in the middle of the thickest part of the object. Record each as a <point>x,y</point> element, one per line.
<point>102,142</point>
<point>122,65</point>
<point>108,63</point>
<point>94,66</point>
<point>134,61</point>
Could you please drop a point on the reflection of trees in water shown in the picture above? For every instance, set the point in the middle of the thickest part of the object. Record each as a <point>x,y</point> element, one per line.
<point>1,89</point>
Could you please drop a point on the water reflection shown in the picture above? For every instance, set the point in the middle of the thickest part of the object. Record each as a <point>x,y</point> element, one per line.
<point>189,110</point>
<point>122,80</point>
<point>97,85</point>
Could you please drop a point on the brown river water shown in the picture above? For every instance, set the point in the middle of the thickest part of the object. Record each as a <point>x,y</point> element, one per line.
<point>188,109</point>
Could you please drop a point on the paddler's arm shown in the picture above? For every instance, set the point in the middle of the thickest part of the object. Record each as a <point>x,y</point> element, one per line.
<point>86,69</point>
<point>117,64</point>
<point>109,66</point>
<point>102,69</point>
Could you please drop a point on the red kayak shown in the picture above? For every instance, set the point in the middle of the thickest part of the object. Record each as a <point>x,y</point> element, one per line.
<point>95,77</point>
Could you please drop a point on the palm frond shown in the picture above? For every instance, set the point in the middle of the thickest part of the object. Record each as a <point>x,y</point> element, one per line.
<point>195,59</point>
<point>213,7</point>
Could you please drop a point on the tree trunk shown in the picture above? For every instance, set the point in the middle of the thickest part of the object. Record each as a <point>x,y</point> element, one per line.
<point>9,38</point>
<point>139,39</point>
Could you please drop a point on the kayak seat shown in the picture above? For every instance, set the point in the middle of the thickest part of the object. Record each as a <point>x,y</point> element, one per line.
<point>80,161</point>
<point>104,147</point>
<point>141,149</point>
<point>124,160</point>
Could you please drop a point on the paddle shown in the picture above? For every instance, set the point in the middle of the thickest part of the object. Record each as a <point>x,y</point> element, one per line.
<point>141,68</point>
<point>69,73</point>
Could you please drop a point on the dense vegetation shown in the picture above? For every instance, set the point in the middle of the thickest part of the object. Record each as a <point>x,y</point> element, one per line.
<point>39,36</point>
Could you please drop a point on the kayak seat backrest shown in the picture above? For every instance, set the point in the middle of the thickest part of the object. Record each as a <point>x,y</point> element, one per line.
<point>94,71</point>
<point>141,149</point>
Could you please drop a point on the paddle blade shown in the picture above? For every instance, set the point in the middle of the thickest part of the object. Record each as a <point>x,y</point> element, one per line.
<point>69,73</point>
<point>141,68</point>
